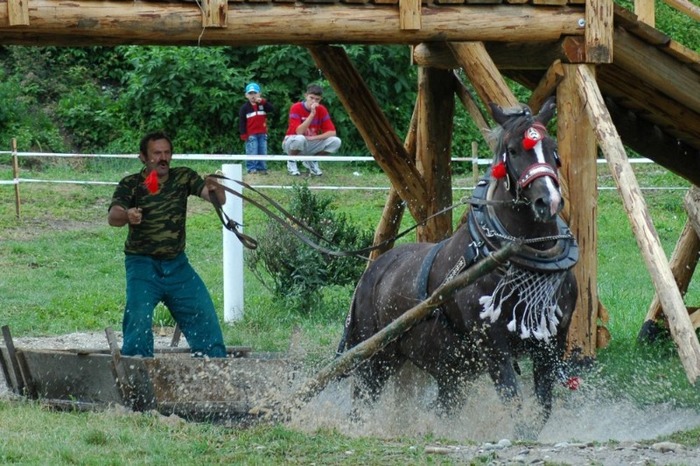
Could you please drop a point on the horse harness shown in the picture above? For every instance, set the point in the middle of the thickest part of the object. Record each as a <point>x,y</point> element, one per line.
<point>488,235</point>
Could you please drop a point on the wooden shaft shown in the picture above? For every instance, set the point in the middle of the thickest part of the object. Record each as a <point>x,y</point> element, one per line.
<point>349,360</point>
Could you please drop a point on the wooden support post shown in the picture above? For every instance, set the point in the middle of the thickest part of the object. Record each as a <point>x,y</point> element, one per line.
<point>18,12</point>
<point>483,73</point>
<point>409,15</point>
<point>648,239</point>
<point>599,31</point>
<point>683,262</point>
<point>349,360</point>
<point>374,127</point>
<point>436,109</point>
<point>15,176</point>
<point>14,362</point>
<point>577,147</point>
<point>644,9</point>
<point>214,13</point>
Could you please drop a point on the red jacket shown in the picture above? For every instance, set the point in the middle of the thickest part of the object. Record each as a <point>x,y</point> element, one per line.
<point>253,118</point>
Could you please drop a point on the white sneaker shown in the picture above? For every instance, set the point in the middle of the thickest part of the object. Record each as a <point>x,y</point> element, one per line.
<point>313,168</point>
<point>292,168</point>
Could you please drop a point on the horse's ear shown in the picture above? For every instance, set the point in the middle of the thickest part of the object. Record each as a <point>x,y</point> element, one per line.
<point>547,110</point>
<point>497,113</point>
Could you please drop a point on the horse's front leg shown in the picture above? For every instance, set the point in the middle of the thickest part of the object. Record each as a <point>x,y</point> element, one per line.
<point>544,365</point>
<point>502,372</point>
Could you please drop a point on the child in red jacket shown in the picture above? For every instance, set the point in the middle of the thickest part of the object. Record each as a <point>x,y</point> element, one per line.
<point>253,127</point>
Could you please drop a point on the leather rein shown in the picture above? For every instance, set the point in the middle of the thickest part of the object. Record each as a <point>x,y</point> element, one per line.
<point>288,221</point>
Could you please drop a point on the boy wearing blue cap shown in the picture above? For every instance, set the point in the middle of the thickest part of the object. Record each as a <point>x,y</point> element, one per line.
<point>253,127</point>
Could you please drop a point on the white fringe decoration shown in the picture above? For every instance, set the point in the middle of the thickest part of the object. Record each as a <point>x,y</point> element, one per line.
<point>537,299</point>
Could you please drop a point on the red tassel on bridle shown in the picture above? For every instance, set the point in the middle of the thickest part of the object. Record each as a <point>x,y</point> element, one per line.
<point>498,171</point>
<point>151,182</point>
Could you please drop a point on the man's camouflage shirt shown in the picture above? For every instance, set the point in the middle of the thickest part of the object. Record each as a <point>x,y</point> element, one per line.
<point>161,233</point>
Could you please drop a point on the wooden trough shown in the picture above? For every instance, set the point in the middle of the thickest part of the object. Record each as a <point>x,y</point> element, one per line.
<point>173,382</point>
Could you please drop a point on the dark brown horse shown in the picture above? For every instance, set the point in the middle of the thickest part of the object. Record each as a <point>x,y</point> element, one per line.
<point>522,309</point>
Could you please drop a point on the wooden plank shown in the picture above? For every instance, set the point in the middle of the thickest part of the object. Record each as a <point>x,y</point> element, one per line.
<point>648,239</point>
<point>599,31</point>
<point>214,13</point>
<point>19,385</point>
<point>409,15</point>
<point>18,12</point>
<point>436,108</point>
<point>578,175</point>
<point>629,21</point>
<point>684,6</point>
<point>483,73</point>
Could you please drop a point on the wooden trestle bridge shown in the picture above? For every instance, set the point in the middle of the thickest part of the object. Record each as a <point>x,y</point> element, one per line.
<point>617,81</point>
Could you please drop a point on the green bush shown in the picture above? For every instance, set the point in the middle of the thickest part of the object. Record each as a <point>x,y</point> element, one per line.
<point>294,271</point>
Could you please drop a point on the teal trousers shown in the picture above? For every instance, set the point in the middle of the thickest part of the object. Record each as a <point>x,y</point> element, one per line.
<point>177,285</point>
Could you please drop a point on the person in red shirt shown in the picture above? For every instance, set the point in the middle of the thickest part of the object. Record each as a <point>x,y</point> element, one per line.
<point>253,127</point>
<point>310,131</point>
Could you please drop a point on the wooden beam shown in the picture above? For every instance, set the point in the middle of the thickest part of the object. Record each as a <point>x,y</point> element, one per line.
<point>599,31</point>
<point>578,173</point>
<point>684,258</point>
<point>473,58</point>
<point>507,56</point>
<point>110,22</point>
<point>546,87</point>
<point>667,75</point>
<point>648,239</point>
<point>394,207</point>
<point>653,141</point>
<point>472,107</point>
<point>436,108</point>
<point>373,126</point>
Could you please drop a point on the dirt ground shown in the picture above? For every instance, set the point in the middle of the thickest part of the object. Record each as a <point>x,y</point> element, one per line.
<point>586,427</point>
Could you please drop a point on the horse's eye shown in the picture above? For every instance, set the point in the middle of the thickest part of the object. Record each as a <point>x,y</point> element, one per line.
<point>512,151</point>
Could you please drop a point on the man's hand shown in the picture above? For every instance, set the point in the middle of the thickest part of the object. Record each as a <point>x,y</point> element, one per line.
<point>213,188</point>
<point>135,215</point>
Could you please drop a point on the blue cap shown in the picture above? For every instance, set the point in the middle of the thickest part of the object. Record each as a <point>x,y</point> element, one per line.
<point>252,87</point>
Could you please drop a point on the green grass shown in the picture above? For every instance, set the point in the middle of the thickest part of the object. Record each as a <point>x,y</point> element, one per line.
<point>61,270</point>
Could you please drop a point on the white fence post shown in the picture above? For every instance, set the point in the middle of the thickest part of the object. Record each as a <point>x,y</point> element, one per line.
<point>233,249</point>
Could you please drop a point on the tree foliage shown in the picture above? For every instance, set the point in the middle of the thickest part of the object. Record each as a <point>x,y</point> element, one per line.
<point>102,99</point>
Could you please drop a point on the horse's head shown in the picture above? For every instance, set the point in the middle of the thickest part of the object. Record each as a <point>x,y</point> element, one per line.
<point>526,158</point>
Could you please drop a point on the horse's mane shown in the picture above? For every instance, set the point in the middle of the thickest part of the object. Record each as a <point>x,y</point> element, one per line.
<point>520,118</point>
